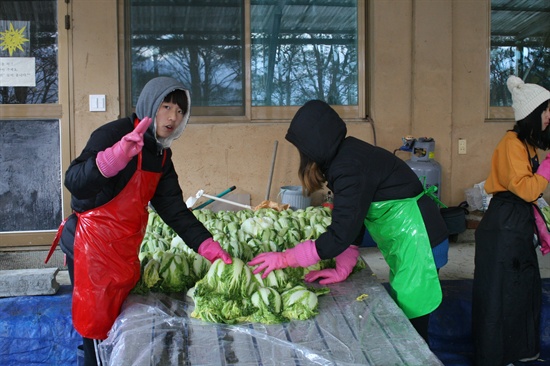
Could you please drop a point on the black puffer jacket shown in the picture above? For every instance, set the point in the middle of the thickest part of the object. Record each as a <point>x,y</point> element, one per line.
<point>90,189</point>
<point>358,174</point>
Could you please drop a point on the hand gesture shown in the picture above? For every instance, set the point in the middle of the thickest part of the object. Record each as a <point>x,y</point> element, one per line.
<point>132,143</point>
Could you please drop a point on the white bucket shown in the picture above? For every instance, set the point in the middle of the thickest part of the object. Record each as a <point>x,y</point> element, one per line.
<point>294,197</point>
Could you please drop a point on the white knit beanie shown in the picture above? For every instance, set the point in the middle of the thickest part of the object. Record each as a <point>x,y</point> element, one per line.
<point>525,97</point>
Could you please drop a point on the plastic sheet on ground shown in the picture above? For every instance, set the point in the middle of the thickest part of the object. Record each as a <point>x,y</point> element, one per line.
<point>451,325</point>
<point>358,324</point>
<point>38,330</point>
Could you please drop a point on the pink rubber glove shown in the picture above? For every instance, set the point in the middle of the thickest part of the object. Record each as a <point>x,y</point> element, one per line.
<point>544,168</point>
<point>212,250</point>
<point>113,159</point>
<point>345,262</point>
<point>544,236</point>
<point>302,255</point>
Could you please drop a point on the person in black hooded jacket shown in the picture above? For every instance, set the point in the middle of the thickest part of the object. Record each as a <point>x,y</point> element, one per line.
<point>125,166</point>
<point>372,188</point>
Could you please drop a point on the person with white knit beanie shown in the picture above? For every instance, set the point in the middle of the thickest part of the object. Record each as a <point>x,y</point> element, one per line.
<point>507,287</point>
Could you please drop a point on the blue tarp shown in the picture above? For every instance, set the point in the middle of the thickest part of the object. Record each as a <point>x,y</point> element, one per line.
<point>451,329</point>
<point>38,330</point>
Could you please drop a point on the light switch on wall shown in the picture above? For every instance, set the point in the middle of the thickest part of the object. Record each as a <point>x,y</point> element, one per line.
<point>97,103</point>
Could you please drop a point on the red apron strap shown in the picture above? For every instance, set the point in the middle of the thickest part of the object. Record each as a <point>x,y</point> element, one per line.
<point>136,122</point>
<point>55,241</point>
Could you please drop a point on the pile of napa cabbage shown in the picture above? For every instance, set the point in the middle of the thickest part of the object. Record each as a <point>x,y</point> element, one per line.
<point>231,293</point>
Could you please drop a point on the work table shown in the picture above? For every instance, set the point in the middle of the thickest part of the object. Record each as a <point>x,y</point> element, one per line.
<point>358,324</point>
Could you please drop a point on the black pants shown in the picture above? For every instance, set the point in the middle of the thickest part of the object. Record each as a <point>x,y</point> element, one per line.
<point>421,325</point>
<point>89,352</point>
<point>70,268</point>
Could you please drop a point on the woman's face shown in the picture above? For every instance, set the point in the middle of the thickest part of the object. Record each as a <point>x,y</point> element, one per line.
<point>169,117</point>
<point>545,117</point>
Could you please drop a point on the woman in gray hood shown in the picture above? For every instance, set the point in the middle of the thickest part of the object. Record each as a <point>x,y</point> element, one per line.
<point>125,166</point>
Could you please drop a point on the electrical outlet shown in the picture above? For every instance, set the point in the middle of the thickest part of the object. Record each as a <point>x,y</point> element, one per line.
<point>462,146</point>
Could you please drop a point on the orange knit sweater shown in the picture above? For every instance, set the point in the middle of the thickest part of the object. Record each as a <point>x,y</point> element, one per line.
<point>511,169</point>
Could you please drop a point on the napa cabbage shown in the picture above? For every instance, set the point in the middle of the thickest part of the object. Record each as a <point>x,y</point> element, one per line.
<point>232,293</point>
<point>299,303</point>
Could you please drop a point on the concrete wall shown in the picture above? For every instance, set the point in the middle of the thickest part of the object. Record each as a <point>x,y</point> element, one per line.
<point>428,77</point>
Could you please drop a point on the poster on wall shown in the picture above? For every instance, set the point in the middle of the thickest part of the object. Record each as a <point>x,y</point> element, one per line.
<point>16,68</point>
<point>17,71</point>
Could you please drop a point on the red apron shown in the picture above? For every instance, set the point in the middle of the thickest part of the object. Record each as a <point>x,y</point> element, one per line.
<point>106,246</point>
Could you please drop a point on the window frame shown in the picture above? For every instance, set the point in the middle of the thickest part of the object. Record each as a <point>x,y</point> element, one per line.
<point>251,113</point>
<point>504,114</point>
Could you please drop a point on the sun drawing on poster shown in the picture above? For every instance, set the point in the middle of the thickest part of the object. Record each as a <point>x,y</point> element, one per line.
<point>12,39</point>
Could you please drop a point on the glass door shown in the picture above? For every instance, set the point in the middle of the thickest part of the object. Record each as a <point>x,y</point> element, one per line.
<point>33,129</point>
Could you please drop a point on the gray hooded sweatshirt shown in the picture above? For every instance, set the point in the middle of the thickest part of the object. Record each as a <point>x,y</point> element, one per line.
<point>150,99</point>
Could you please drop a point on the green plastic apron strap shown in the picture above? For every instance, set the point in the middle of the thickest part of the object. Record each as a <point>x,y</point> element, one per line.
<point>398,229</point>
<point>430,192</point>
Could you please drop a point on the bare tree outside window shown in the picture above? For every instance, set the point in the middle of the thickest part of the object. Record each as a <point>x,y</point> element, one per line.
<point>304,51</point>
<point>298,51</point>
<point>520,45</point>
<point>199,43</point>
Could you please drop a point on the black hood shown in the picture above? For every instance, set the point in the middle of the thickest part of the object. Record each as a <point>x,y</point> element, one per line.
<point>317,131</point>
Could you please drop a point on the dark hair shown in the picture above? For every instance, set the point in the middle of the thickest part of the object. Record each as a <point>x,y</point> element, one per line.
<point>179,97</point>
<point>529,129</point>
<point>310,174</point>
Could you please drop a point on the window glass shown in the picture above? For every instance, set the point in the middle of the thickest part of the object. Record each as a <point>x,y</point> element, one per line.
<point>302,51</point>
<point>30,166</point>
<point>297,51</point>
<point>520,45</point>
<point>28,52</point>
<point>199,43</point>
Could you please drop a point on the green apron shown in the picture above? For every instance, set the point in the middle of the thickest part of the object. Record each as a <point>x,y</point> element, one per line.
<point>398,229</point>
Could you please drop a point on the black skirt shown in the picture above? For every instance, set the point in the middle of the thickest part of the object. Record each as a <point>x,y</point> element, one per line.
<point>507,292</point>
